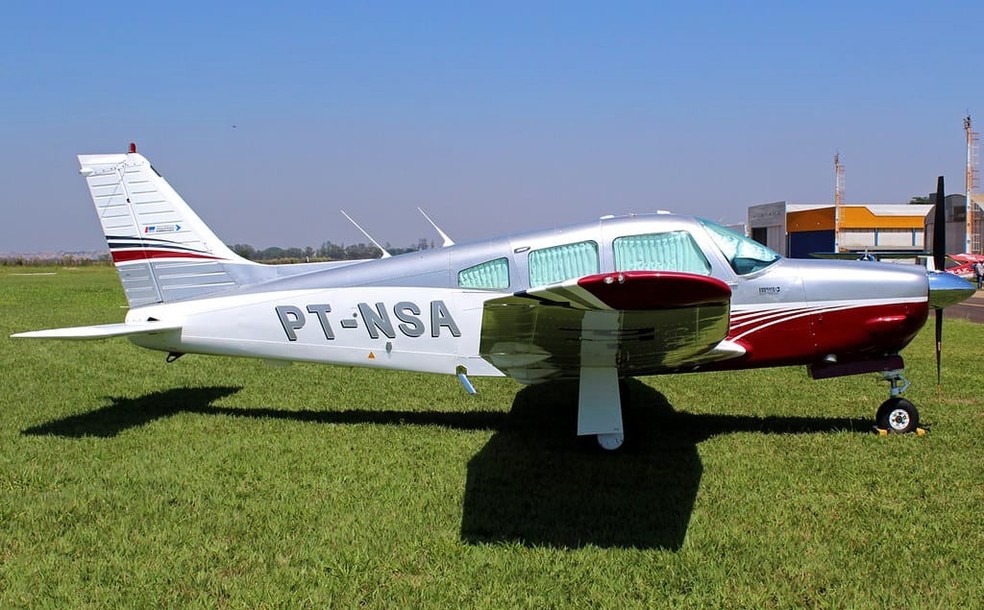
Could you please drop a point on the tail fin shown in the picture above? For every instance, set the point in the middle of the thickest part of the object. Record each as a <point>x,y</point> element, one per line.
<point>161,248</point>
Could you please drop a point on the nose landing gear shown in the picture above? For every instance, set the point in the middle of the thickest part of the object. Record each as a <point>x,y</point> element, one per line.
<point>897,415</point>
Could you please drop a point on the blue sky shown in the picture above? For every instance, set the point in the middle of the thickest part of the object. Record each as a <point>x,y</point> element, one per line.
<point>493,117</point>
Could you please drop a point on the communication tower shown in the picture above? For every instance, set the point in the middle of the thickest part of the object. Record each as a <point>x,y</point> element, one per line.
<point>838,198</point>
<point>972,241</point>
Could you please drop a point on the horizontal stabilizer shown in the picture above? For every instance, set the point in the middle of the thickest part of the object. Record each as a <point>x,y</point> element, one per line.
<point>103,331</point>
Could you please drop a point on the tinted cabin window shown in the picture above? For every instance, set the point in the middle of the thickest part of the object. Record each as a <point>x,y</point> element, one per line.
<point>559,263</point>
<point>674,251</point>
<point>491,274</point>
<point>744,255</point>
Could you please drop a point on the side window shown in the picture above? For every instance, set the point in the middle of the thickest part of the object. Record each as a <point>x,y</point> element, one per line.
<point>491,274</point>
<point>674,251</point>
<point>559,263</point>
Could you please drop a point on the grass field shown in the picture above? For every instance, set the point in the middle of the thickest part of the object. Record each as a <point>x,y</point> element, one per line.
<point>214,482</point>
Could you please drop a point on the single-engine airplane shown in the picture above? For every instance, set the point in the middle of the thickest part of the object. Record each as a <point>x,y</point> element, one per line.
<point>964,264</point>
<point>598,302</point>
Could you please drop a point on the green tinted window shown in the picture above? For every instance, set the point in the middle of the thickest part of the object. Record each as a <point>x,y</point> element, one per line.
<point>674,251</point>
<point>491,274</point>
<point>559,263</point>
<point>745,255</point>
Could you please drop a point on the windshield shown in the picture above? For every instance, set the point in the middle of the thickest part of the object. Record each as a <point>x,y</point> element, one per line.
<point>744,255</point>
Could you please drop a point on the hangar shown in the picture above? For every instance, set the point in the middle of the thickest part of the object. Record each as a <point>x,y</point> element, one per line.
<point>798,229</point>
<point>955,207</point>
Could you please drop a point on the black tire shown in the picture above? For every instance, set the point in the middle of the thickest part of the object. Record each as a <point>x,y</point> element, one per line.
<point>898,416</point>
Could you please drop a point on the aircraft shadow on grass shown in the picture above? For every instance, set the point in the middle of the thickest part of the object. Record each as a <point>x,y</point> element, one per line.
<point>535,482</point>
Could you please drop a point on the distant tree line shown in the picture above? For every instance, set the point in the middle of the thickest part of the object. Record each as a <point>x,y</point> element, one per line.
<point>66,260</point>
<point>328,251</point>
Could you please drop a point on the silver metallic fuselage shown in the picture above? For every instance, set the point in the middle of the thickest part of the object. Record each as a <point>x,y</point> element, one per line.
<point>411,314</point>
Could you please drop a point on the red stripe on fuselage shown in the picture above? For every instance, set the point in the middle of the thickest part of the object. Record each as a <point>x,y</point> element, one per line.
<point>126,256</point>
<point>855,332</point>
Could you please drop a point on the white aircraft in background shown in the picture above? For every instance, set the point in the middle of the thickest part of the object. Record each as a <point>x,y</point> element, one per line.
<point>598,302</point>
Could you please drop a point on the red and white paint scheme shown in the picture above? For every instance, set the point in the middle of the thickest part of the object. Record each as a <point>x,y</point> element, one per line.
<point>598,302</point>
<point>964,266</point>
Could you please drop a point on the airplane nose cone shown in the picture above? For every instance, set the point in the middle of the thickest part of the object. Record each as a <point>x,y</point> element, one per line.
<point>946,289</point>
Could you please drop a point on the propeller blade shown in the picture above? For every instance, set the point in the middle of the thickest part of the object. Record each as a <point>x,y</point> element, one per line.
<point>939,228</point>
<point>939,261</point>
<point>939,345</point>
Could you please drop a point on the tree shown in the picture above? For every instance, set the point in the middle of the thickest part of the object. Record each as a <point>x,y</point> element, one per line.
<point>245,250</point>
<point>332,251</point>
<point>920,200</point>
<point>271,253</point>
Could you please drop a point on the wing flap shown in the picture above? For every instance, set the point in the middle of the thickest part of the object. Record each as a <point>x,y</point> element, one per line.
<point>102,331</point>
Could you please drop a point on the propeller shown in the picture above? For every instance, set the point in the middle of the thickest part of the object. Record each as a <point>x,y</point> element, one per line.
<point>939,262</point>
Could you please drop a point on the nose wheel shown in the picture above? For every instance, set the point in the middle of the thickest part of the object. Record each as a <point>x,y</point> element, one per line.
<point>897,415</point>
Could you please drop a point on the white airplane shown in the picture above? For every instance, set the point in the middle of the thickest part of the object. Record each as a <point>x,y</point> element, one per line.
<point>598,302</point>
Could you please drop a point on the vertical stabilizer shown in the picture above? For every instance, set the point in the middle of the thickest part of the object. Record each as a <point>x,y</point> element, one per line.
<point>161,248</point>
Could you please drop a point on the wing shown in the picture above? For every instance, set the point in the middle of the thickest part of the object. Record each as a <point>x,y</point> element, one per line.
<point>642,322</point>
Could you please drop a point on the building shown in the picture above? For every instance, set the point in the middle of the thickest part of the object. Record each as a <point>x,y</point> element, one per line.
<point>955,210</point>
<point>797,230</point>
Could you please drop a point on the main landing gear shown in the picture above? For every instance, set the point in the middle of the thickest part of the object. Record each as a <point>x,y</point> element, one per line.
<point>897,415</point>
<point>599,410</point>
<point>599,407</point>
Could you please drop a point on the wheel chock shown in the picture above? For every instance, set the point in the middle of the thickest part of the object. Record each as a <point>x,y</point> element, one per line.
<point>884,432</point>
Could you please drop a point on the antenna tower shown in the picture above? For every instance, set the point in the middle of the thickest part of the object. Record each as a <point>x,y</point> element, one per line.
<point>838,199</point>
<point>972,241</point>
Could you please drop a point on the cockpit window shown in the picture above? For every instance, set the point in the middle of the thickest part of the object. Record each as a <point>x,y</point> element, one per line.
<point>673,251</point>
<point>744,255</point>
<point>491,275</point>
<point>559,263</point>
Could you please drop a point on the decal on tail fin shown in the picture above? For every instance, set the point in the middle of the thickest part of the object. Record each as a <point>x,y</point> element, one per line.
<point>161,248</point>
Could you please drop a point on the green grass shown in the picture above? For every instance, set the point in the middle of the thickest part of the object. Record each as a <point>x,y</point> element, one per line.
<point>214,482</point>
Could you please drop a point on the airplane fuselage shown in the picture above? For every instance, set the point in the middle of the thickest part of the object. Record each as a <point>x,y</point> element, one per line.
<point>425,311</point>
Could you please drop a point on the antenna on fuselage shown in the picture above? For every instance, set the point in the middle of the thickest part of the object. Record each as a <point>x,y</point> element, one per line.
<point>369,237</point>
<point>447,240</point>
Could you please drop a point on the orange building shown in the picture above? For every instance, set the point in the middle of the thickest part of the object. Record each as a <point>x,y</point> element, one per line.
<point>797,230</point>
